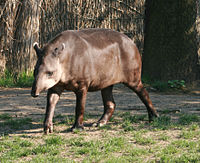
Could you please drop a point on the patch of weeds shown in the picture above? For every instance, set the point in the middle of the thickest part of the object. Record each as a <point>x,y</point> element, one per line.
<point>43,149</point>
<point>17,148</point>
<point>164,86</point>
<point>141,140</point>
<point>121,159</point>
<point>105,127</point>
<point>12,149</point>
<point>5,116</point>
<point>69,120</point>
<point>190,145</point>
<point>180,151</point>
<point>89,116</point>
<point>133,118</point>
<point>188,157</point>
<point>115,159</point>
<point>114,144</point>
<point>168,150</point>
<point>79,146</point>
<point>193,127</point>
<point>127,126</point>
<point>7,79</point>
<point>77,142</point>
<point>77,131</point>
<point>187,119</point>
<point>95,150</point>
<point>163,137</point>
<point>165,111</point>
<point>190,134</point>
<point>176,84</point>
<point>59,116</point>
<point>162,122</point>
<point>160,86</point>
<point>44,159</point>
<point>112,119</point>
<point>56,140</point>
<point>64,119</point>
<point>24,79</point>
<point>17,123</point>
<point>138,152</point>
<point>25,143</point>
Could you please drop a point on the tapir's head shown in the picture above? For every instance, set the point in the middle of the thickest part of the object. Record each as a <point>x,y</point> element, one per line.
<point>48,71</point>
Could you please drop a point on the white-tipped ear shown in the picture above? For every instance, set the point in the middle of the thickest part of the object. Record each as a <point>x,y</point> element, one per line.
<point>35,44</point>
<point>37,49</point>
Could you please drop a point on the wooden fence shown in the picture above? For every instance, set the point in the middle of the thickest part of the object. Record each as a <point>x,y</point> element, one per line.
<point>124,16</point>
<point>27,21</point>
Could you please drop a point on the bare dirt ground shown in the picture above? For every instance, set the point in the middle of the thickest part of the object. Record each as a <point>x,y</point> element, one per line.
<point>19,103</point>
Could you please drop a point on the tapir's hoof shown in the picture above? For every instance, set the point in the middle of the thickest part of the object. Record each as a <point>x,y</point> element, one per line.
<point>153,117</point>
<point>77,127</point>
<point>99,124</point>
<point>48,129</point>
<point>96,124</point>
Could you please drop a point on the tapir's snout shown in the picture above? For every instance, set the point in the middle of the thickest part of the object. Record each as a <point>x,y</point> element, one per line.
<point>33,94</point>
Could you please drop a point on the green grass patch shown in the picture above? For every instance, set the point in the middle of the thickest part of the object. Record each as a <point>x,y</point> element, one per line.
<point>24,79</point>
<point>54,140</point>
<point>187,119</point>
<point>5,116</point>
<point>44,159</point>
<point>163,86</point>
<point>16,123</point>
<point>164,140</point>
<point>63,119</point>
<point>162,123</point>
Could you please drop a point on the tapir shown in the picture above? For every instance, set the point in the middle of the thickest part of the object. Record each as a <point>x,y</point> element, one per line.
<point>88,60</point>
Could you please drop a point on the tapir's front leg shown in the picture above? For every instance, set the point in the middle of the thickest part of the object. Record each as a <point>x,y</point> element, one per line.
<point>80,107</point>
<point>52,99</point>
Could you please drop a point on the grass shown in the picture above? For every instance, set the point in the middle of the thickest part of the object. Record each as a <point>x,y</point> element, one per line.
<point>127,138</point>
<point>15,123</point>
<point>163,86</point>
<point>24,79</point>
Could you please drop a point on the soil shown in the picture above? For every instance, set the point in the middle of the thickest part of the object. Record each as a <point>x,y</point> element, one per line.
<point>19,103</point>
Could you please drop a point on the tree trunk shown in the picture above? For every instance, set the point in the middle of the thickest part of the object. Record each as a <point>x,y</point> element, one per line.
<point>26,32</point>
<point>170,45</point>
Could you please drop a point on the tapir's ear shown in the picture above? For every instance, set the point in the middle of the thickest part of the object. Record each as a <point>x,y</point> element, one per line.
<point>37,49</point>
<point>58,50</point>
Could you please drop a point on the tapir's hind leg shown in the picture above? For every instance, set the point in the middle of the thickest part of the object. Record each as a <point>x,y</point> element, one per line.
<point>109,105</point>
<point>144,96</point>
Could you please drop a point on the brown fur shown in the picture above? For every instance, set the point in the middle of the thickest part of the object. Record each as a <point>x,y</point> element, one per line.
<point>88,60</point>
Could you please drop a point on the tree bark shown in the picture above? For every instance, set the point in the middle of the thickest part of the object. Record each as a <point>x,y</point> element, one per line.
<point>170,44</point>
<point>20,29</point>
<point>26,32</point>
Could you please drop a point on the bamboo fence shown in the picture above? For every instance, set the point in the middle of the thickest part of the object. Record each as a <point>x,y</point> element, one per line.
<point>27,21</point>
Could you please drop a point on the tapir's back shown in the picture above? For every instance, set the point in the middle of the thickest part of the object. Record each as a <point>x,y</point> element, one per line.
<point>101,38</point>
<point>103,56</point>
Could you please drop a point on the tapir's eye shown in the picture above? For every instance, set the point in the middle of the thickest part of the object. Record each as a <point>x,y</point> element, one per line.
<point>49,73</point>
